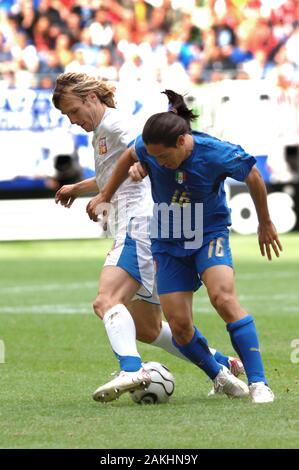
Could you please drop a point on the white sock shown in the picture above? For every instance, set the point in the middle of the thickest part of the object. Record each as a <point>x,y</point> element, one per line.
<point>164,341</point>
<point>121,331</point>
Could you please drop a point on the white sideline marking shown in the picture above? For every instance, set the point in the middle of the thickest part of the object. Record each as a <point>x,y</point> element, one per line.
<point>268,297</point>
<point>264,275</point>
<point>93,284</point>
<point>47,287</point>
<point>48,309</point>
<point>201,305</point>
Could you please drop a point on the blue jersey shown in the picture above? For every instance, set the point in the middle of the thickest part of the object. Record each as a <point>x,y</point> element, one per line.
<point>199,179</point>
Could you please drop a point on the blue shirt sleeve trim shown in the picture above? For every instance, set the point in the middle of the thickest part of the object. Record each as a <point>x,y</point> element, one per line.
<point>250,163</point>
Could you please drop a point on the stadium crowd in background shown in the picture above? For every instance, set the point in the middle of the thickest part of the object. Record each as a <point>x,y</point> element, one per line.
<point>189,41</point>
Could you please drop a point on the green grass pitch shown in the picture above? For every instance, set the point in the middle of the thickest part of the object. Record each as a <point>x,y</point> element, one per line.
<point>56,354</point>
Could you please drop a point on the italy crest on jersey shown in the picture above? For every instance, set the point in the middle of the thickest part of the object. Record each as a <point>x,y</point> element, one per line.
<point>102,146</point>
<point>180,177</point>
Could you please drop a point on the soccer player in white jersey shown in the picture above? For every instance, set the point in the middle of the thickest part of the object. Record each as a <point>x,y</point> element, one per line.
<point>126,301</point>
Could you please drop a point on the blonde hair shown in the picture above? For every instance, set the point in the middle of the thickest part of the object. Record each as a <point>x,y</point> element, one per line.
<point>81,84</point>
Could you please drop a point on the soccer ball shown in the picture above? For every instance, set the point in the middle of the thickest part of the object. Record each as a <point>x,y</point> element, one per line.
<point>161,386</point>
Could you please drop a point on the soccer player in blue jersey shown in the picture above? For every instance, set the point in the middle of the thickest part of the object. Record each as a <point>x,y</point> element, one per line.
<point>189,233</point>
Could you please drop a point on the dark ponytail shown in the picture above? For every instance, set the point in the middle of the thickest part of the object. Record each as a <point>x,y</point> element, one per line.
<point>178,106</point>
<point>165,128</point>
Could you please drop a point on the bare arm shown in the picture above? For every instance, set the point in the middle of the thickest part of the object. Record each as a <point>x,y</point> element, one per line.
<point>267,233</point>
<point>69,192</point>
<point>87,186</point>
<point>119,175</point>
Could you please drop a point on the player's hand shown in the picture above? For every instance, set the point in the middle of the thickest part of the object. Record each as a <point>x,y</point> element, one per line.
<point>98,208</point>
<point>268,240</point>
<point>137,172</point>
<point>66,195</point>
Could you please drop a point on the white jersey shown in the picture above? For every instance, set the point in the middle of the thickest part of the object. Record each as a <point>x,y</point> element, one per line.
<point>131,206</point>
<point>111,138</point>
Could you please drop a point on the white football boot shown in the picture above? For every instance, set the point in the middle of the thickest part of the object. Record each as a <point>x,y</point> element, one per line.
<point>225,382</point>
<point>261,393</point>
<point>235,367</point>
<point>123,382</point>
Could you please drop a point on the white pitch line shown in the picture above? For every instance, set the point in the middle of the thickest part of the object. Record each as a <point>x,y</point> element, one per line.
<point>268,297</point>
<point>200,304</point>
<point>48,309</point>
<point>93,284</point>
<point>74,310</point>
<point>265,275</point>
<point>46,287</point>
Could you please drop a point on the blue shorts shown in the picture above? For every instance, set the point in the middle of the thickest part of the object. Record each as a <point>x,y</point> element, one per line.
<point>181,274</point>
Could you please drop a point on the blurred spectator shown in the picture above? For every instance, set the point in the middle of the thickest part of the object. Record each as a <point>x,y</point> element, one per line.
<point>79,63</point>
<point>25,52</point>
<point>173,74</point>
<point>73,26</point>
<point>195,41</point>
<point>105,66</point>
<point>55,11</point>
<point>100,28</point>
<point>84,42</point>
<point>63,49</point>
<point>49,64</point>
<point>219,62</point>
<point>26,18</point>
<point>46,82</point>
<point>130,69</point>
<point>258,67</point>
<point>41,37</point>
<point>195,72</point>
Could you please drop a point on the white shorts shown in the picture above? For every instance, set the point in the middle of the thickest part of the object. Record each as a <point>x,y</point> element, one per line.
<point>133,254</point>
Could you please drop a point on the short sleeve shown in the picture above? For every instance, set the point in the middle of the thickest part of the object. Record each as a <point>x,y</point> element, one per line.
<point>140,149</point>
<point>120,133</point>
<point>234,162</point>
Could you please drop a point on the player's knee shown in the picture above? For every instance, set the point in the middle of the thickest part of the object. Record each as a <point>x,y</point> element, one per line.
<point>105,301</point>
<point>148,335</point>
<point>101,305</point>
<point>222,301</point>
<point>181,328</point>
<point>97,308</point>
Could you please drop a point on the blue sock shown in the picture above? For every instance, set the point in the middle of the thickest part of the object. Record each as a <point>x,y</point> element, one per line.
<point>129,363</point>
<point>197,351</point>
<point>221,359</point>
<point>244,339</point>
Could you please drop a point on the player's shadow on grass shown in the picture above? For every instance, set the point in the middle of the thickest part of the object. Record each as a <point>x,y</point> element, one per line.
<point>177,402</point>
